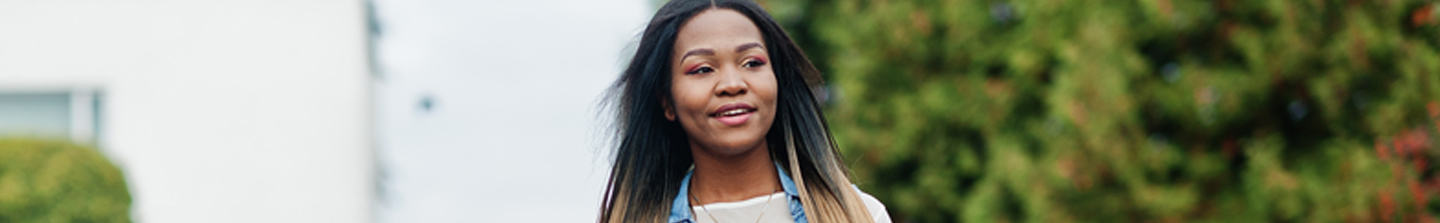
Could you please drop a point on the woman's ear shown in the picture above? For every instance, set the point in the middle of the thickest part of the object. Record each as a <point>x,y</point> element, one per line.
<point>669,109</point>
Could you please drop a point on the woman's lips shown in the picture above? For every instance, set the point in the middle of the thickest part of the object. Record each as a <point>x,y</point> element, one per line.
<point>734,120</point>
<point>733,114</point>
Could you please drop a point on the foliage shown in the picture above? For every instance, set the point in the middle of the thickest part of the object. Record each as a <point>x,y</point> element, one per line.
<point>50,181</point>
<point>1133,110</point>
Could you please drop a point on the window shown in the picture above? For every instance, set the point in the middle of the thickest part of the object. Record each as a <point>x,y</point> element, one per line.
<point>69,114</point>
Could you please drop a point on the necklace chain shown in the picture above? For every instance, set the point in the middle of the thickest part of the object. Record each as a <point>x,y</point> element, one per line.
<point>768,197</point>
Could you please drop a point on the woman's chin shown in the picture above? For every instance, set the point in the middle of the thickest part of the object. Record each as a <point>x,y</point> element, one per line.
<point>734,147</point>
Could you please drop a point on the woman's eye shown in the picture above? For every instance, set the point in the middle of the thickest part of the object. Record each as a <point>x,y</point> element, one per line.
<point>754,63</point>
<point>701,70</point>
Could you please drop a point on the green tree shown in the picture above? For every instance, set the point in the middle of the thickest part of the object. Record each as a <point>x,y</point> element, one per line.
<point>1133,110</point>
<point>50,181</point>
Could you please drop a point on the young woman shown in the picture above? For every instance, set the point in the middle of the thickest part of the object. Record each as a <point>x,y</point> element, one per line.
<point>717,122</point>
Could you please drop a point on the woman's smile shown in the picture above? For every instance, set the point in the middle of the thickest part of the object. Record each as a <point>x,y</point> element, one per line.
<point>733,114</point>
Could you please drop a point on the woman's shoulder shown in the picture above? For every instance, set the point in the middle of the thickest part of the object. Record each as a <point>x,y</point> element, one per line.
<point>877,209</point>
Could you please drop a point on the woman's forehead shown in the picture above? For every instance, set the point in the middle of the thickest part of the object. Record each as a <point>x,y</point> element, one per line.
<point>717,29</point>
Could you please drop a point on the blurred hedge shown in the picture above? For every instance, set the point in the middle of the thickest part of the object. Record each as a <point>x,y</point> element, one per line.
<point>51,181</point>
<point>1133,110</point>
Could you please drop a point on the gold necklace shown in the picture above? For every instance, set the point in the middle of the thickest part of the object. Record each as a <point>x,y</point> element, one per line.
<point>696,200</point>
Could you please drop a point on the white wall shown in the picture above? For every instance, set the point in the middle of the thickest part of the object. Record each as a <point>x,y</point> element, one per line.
<point>217,110</point>
<point>514,134</point>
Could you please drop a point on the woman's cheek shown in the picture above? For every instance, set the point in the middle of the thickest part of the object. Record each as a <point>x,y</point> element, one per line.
<point>695,101</point>
<point>769,91</point>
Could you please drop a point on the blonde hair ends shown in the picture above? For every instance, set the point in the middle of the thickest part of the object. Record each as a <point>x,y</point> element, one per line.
<point>826,203</point>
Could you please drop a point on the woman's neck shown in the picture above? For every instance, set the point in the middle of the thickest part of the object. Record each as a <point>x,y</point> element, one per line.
<point>733,178</point>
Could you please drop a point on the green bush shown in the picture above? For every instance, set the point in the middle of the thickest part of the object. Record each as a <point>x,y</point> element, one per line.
<point>1133,110</point>
<point>52,181</point>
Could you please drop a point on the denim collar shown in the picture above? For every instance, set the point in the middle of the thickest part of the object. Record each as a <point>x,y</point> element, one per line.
<point>680,208</point>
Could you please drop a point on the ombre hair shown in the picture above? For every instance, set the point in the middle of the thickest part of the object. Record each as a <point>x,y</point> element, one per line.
<point>652,154</point>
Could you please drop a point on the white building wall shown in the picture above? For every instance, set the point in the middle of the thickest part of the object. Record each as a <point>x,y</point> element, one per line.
<point>217,110</point>
<point>514,133</point>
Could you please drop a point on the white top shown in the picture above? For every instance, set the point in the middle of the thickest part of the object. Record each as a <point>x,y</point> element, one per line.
<point>748,210</point>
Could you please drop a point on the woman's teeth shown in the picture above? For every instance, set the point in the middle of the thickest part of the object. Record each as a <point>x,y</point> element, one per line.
<point>734,112</point>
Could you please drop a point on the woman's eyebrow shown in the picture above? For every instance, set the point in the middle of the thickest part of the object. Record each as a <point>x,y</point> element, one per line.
<point>710,52</point>
<point>748,46</point>
<point>701,51</point>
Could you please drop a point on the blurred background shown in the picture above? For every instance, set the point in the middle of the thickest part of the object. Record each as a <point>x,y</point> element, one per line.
<point>947,110</point>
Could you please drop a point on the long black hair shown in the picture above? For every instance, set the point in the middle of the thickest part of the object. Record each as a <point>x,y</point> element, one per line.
<point>653,154</point>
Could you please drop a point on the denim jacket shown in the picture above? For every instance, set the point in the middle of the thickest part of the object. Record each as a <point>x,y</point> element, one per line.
<point>680,208</point>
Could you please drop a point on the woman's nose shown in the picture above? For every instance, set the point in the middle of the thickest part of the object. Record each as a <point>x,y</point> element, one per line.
<point>732,83</point>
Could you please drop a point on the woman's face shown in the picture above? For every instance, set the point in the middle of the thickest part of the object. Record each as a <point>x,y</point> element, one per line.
<point>722,85</point>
